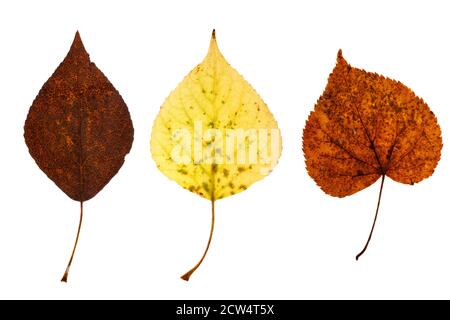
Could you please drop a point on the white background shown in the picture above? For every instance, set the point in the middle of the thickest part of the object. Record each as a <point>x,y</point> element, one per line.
<point>283,237</point>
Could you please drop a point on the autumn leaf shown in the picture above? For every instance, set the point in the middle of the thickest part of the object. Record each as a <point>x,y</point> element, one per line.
<point>79,129</point>
<point>214,135</point>
<point>366,126</point>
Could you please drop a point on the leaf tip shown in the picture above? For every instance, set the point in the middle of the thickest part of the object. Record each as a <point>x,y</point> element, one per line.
<point>213,48</point>
<point>77,47</point>
<point>77,38</point>
<point>340,57</point>
<point>213,39</point>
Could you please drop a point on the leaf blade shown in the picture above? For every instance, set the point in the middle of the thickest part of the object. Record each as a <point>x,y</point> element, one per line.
<point>365,125</point>
<point>78,129</point>
<point>213,96</point>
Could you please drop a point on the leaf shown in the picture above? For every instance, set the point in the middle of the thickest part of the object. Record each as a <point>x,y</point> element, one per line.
<point>366,126</point>
<point>79,129</point>
<point>214,135</point>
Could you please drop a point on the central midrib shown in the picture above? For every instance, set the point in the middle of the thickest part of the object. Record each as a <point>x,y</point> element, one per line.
<point>81,159</point>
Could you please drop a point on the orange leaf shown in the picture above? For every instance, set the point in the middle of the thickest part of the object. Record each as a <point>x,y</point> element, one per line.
<point>366,126</point>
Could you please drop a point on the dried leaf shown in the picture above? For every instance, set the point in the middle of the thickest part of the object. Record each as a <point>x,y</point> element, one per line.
<point>366,126</point>
<point>79,129</point>
<point>214,135</point>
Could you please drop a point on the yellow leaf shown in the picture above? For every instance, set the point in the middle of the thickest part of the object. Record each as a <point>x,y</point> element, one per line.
<point>214,135</point>
<point>199,120</point>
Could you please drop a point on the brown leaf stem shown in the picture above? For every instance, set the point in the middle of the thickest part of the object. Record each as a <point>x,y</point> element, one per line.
<point>66,273</point>
<point>375,220</point>
<point>188,274</point>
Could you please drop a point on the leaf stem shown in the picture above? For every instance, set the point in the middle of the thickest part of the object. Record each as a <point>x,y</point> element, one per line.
<point>188,274</point>
<point>66,273</point>
<point>375,220</point>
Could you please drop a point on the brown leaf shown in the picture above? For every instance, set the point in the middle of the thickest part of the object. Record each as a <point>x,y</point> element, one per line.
<point>366,126</point>
<point>78,128</point>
